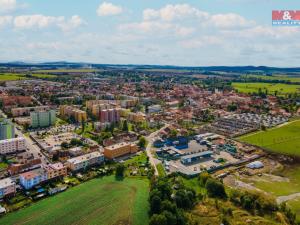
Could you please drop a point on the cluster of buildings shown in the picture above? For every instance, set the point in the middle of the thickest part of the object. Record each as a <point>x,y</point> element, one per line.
<point>9,101</point>
<point>8,142</point>
<point>69,112</point>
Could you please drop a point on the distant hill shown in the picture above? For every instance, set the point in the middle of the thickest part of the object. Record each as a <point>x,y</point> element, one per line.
<point>70,65</point>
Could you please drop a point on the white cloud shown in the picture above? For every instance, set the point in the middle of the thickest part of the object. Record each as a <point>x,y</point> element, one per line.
<point>172,12</point>
<point>5,20</point>
<point>36,21</point>
<point>41,21</point>
<point>108,9</point>
<point>146,26</point>
<point>73,23</point>
<point>8,5</point>
<point>183,20</point>
<point>230,20</point>
<point>184,31</point>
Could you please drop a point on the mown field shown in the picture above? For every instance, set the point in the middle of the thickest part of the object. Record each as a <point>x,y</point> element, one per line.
<point>99,201</point>
<point>284,139</point>
<point>281,89</point>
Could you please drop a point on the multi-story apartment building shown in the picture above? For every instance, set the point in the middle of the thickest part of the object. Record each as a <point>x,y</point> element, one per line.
<point>136,117</point>
<point>118,150</point>
<point>7,129</point>
<point>71,111</point>
<point>33,178</point>
<point>12,145</point>
<point>7,187</point>
<point>55,170</point>
<point>25,111</point>
<point>84,161</point>
<point>109,115</point>
<point>10,101</point>
<point>43,118</point>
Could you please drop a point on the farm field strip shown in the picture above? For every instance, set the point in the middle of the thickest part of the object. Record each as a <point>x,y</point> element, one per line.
<point>271,88</point>
<point>99,201</point>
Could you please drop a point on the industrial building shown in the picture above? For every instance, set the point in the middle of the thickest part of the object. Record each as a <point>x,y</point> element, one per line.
<point>189,159</point>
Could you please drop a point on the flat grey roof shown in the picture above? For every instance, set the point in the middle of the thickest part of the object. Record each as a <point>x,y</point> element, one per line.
<point>197,155</point>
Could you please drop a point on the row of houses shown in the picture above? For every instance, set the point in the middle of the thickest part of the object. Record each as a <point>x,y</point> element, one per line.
<point>43,173</point>
<point>49,172</point>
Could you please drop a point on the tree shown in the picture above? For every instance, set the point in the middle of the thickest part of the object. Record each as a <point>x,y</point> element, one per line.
<point>142,142</point>
<point>155,204</point>
<point>125,126</point>
<point>215,188</point>
<point>203,177</point>
<point>82,126</point>
<point>120,169</point>
<point>64,145</point>
<point>171,218</point>
<point>158,220</point>
<point>173,133</point>
<point>76,142</point>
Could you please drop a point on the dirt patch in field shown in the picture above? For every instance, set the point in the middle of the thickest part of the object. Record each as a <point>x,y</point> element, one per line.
<point>123,222</point>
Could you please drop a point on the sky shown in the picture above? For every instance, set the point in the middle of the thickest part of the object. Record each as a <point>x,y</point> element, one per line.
<point>152,32</point>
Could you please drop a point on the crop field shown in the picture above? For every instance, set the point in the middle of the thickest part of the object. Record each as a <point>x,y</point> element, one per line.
<point>11,76</point>
<point>275,77</point>
<point>284,139</point>
<point>99,201</point>
<point>281,89</point>
<point>19,76</point>
<point>68,71</point>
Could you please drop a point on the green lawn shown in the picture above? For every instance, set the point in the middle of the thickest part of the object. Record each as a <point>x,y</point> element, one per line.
<point>99,201</point>
<point>137,160</point>
<point>284,139</point>
<point>281,89</point>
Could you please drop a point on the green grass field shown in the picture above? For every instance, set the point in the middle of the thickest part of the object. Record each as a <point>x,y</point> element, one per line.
<point>19,76</point>
<point>281,89</point>
<point>284,139</point>
<point>274,77</point>
<point>281,187</point>
<point>99,201</point>
<point>11,76</point>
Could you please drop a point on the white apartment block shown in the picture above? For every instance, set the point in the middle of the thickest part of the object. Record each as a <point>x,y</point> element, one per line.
<point>12,145</point>
<point>84,161</point>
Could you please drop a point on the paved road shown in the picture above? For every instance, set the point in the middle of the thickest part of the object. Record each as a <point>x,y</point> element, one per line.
<point>150,140</point>
<point>33,147</point>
